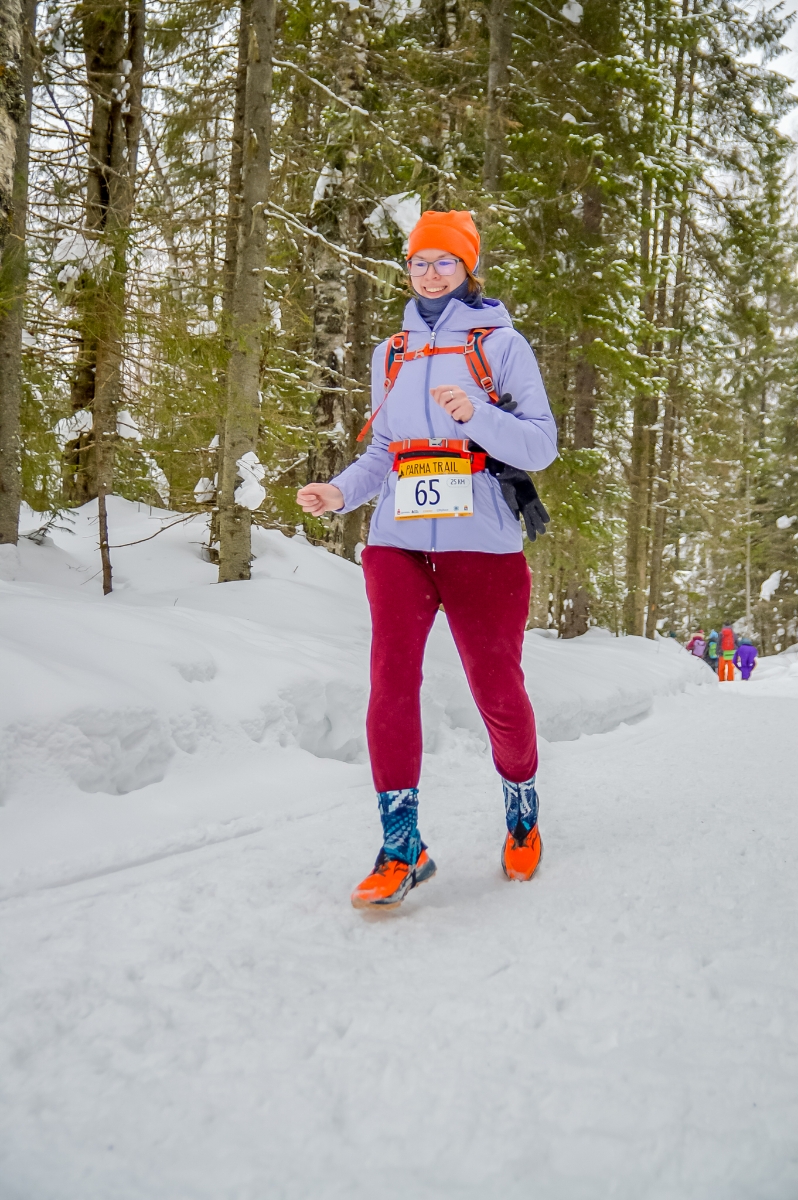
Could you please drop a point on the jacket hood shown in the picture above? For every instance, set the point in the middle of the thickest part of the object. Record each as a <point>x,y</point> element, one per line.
<point>459,318</point>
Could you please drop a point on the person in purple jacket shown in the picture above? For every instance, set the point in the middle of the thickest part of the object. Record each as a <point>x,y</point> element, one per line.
<point>745,657</point>
<point>448,459</point>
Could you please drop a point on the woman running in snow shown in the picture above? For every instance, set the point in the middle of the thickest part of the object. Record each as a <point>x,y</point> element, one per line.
<point>433,427</point>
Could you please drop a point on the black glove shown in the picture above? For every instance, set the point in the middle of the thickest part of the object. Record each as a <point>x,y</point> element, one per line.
<point>506,403</point>
<point>517,488</point>
<point>521,496</point>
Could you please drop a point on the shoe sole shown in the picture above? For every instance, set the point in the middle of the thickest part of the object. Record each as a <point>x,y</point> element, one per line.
<point>390,902</point>
<point>427,872</point>
<point>377,903</point>
<point>523,878</point>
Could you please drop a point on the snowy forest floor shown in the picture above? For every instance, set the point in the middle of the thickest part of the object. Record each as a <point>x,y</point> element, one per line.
<point>189,1007</point>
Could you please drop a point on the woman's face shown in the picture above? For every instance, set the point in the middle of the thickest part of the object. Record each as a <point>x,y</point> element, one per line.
<point>433,284</point>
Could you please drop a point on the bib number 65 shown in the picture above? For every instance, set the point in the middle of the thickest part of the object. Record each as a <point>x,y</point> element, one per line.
<point>427,492</point>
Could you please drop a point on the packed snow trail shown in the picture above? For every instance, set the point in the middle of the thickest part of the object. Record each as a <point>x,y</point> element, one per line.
<point>222,1024</point>
<point>202,1016</point>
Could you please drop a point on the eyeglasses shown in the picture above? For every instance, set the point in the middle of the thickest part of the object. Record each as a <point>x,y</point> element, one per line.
<point>443,266</point>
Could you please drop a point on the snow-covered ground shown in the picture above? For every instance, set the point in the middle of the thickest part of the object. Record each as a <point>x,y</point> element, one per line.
<point>189,1007</point>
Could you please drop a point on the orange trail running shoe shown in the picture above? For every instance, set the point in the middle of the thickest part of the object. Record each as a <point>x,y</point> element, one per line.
<point>521,853</point>
<point>391,880</point>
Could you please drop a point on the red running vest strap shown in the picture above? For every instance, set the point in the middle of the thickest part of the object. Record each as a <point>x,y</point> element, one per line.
<point>397,354</point>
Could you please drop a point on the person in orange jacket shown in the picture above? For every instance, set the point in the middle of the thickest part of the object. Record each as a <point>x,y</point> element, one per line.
<point>726,648</point>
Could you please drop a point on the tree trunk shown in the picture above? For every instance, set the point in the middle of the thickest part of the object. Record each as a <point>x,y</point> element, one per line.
<point>234,198</point>
<point>231,236</point>
<point>446,19</point>
<point>343,299</point>
<point>661,486</point>
<point>113,45</point>
<point>644,410</point>
<point>13,275</point>
<point>659,480</point>
<point>636,532</point>
<point>585,373</point>
<point>113,40</point>
<point>12,103</point>
<point>585,388</point>
<point>575,611</point>
<point>663,490</point>
<point>643,441</point>
<point>358,368</point>
<point>501,47</point>
<point>330,328</point>
<point>664,486</point>
<point>246,316</point>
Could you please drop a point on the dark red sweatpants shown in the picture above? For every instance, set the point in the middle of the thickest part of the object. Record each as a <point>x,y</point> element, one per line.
<point>486,600</point>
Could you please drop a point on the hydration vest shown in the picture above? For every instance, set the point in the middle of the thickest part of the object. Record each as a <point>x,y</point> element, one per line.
<point>727,640</point>
<point>397,354</point>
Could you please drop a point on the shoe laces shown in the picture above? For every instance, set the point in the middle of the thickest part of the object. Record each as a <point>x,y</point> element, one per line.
<point>521,833</point>
<point>383,862</point>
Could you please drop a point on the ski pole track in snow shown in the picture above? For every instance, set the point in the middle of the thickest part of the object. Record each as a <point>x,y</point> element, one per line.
<point>194,840</point>
<point>222,1024</point>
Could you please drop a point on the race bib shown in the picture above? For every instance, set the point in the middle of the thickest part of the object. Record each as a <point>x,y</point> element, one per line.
<point>434,487</point>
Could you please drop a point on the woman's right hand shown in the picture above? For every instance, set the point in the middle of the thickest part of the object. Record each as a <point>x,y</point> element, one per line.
<point>318,498</point>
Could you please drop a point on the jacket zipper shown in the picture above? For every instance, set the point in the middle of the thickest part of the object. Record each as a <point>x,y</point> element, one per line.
<point>426,385</point>
<point>433,526</point>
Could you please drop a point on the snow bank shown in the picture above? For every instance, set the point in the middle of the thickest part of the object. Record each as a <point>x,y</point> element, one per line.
<point>774,675</point>
<point>111,694</point>
<point>594,683</point>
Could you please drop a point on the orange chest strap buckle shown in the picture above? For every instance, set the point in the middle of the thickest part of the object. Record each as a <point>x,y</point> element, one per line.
<point>397,353</point>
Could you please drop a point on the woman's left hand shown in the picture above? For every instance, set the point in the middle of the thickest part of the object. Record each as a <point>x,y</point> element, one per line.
<point>454,401</point>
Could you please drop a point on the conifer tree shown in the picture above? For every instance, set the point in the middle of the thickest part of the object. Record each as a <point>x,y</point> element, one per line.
<point>239,474</point>
<point>13,266</point>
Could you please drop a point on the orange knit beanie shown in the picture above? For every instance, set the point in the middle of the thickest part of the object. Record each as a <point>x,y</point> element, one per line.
<point>452,231</point>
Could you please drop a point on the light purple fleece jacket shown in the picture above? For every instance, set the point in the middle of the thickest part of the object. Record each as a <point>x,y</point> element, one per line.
<point>525,438</point>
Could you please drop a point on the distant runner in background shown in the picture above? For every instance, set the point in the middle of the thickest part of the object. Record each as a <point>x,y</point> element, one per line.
<point>745,657</point>
<point>711,652</point>
<point>697,644</point>
<point>726,646</point>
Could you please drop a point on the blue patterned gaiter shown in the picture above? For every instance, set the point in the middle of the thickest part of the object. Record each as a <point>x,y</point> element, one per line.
<point>520,804</point>
<point>399,815</point>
